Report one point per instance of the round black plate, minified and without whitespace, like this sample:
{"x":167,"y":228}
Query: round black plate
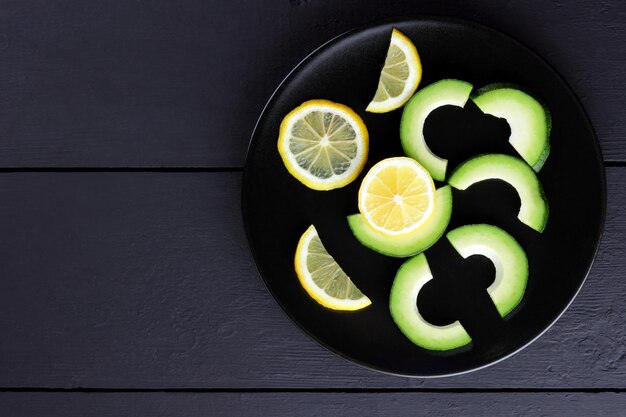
{"x":277,"y":209}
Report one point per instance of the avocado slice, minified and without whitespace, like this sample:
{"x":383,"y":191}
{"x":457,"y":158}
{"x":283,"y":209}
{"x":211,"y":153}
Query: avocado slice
{"x":410,"y":279}
{"x":534,"y":208}
{"x":529,"y":120}
{"x":507,"y":256}
{"x":412,"y":243}
{"x":441,"y":93}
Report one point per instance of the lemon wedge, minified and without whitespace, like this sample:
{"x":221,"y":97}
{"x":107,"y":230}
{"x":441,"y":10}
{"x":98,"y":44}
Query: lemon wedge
{"x":399,"y":77}
{"x":322,"y":278}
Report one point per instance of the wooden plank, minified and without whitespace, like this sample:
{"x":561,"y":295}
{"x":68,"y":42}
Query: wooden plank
{"x":312,"y":404}
{"x":144,"y":280}
{"x":181,"y":83}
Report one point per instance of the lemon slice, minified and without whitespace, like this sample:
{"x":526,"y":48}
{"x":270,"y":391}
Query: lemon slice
{"x":399,"y":77}
{"x":322,"y":278}
{"x":323,"y":144}
{"x":397,"y":196}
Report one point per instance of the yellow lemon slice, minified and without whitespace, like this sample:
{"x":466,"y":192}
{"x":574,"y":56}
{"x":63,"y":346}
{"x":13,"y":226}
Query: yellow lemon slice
{"x":322,"y":278}
{"x":323,"y":144}
{"x":399,"y":77}
{"x":397,"y":196}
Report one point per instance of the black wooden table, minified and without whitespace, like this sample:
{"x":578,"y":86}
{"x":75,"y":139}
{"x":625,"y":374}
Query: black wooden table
{"x":126,"y":283}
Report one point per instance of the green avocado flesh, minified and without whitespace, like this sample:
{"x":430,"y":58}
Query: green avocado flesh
{"x":534,"y":207}
{"x":413,"y":243}
{"x":441,"y":93}
{"x":410,"y":279}
{"x":507,"y":256}
{"x":528,"y":119}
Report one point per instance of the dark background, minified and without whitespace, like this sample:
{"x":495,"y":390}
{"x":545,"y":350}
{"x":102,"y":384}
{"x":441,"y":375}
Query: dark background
{"x":127,"y":287}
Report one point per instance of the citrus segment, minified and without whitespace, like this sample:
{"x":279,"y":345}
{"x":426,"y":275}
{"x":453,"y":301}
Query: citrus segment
{"x":399,"y":77}
{"x":322,"y":278}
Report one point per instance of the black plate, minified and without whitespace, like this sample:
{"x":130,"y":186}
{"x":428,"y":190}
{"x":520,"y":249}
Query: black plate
{"x":277,"y":208}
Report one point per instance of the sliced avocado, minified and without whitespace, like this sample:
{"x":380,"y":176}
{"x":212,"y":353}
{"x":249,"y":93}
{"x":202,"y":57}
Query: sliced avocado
{"x":441,"y":93}
{"x":412,"y":243}
{"x":534,"y":207}
{"x":508,"y":257}
{"x":529,"y":121}
{"x":410,"y":279}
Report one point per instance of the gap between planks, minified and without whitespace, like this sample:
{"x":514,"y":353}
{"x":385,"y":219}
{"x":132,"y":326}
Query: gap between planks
{"x":607,"y":164}
{"x":124,"y":169}
{"x":320,"y":390}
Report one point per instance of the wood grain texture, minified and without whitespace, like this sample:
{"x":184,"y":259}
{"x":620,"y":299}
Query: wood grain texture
{"x":144,"y":280}
{"x":181,"y":82}
{"x":312,"y":404}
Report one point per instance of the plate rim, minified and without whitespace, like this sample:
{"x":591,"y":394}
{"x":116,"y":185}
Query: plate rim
{"x":408,"y":20}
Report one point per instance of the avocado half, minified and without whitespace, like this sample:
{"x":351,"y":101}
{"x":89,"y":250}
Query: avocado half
{"x":410,"y":279}
{"x":412,"y":243}
{"x":441,"y":93}
{"x":534,"y":208}
{"x":507,"y":256}
{"x":529,"y":120}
